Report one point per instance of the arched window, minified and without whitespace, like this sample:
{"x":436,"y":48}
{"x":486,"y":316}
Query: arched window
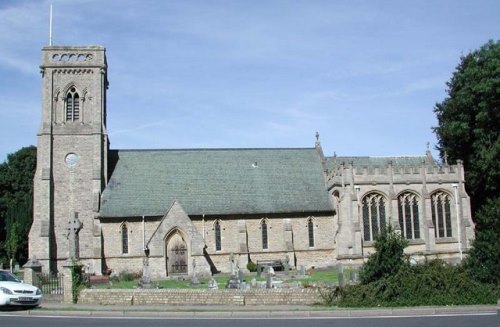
{"x":373,"y":215}
{"x":218,"y":238}
{"x":72,"y":105}
{"x":124,"y":232}
{"x":310,"y":231}
{"x":441,"y":214}
{"x":408,"y":215}
{"x":263,"y":227}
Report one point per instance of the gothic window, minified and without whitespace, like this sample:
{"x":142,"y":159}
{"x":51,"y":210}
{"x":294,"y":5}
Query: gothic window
{"x":218,"y":238}
{"x":124,"y":232}
{"x":263,"y":226}
{"x":441,"y":214}
{"x":310,"y":231}
{"x":373,"y":206}
{"x":408,"y":215}
{"x":72,"y":105}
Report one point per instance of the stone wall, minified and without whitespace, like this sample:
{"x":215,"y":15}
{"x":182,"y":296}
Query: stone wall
{"x":200,"y":297}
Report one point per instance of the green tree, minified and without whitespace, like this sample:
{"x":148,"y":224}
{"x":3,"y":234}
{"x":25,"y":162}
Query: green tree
{"x":484,"y":258}
{"x":388,"y":257}
{"x":469,"y":121}
{"x":16,"y":209}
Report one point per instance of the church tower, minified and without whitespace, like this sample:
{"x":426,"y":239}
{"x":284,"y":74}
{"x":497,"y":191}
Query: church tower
{"x":71,"y":158}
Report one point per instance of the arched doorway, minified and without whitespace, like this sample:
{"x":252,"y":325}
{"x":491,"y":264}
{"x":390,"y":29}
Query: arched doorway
{"x":176,"y":254}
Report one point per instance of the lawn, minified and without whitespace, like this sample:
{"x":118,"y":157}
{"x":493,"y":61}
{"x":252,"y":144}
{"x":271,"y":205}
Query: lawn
{"x":312,"y":278}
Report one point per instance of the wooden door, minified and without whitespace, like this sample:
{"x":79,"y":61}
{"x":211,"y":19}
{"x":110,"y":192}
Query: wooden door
{"x":176,"y":255}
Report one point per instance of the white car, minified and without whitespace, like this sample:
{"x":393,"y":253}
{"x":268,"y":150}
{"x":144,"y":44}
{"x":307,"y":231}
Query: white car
{"x":14,"y":292}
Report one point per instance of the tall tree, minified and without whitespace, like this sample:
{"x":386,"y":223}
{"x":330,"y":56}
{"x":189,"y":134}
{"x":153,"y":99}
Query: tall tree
{"x":469,"y":121}
{"x":16,"y":193}
{"x":469,"y":129}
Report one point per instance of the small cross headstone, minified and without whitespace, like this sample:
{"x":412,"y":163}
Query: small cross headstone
{"x":302,"y":270}
{"x":212,"y":284}
{"x":286,"y":265}
{"x":269,"y":280}
{"x":231,"y":262}
{"x":340,"y":267}
{"x":240,"y":275}
{"x":194,"y":279}
{"x":74,"y":227}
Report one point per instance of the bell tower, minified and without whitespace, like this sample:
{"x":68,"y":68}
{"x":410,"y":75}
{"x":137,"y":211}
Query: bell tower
{"x":71,"y":158}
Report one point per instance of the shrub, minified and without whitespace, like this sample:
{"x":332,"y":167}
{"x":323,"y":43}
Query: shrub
{"x":483,"y":261}
{"x":387,"y":259}
{"x":251,"y":266}
{"x":431,"y":283}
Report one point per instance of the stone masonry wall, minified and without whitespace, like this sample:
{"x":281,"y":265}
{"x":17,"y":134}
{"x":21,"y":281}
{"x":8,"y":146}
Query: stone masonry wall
{"x":201,"y":297}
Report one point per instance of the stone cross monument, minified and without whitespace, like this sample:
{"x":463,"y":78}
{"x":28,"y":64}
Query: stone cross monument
{"x":74,"y":226}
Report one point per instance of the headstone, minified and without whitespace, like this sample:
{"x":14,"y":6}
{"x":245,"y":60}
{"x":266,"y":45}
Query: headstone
{"x":194,"y":279}
{"x":352,"y":276}
{"x":212,"y":284}
{"x":231,"y":262}
{"x":146,"y":279}
{"x":286,"y":265}
{"x":240,"y":275}
{"x":253,"y":282}
{"x":16,"y":267}
{"x":269,"y":281}
{"x":302,"y":271}
{"x":233,"y":282}
{"x":340,"y":268}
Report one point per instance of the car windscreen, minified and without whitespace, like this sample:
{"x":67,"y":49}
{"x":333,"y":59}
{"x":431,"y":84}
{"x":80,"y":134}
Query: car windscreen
{"x":6,"y":276}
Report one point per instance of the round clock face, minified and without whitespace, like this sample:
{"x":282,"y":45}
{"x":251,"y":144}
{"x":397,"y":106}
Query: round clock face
{"x":71,"y":159}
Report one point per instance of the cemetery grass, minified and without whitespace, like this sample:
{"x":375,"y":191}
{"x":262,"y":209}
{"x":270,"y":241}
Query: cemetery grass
{"x":316,"y":277}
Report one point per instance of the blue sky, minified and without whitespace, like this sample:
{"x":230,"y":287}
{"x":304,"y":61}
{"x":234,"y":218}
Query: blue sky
{"x":260,"y":73}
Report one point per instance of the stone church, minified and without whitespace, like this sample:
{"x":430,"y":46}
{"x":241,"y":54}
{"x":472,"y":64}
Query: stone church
{"x":206,"y":210}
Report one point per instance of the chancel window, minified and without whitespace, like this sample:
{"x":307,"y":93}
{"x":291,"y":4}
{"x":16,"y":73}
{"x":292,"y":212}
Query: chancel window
{"x":72,"y":105}
{"x":373,"y":207}
{"x":408,"y":215}
{"x":263,"y":227}
{"x":441,"y":214}
{"x":124,"y":232}
{"x":218,"y":237}
{"x":310,"y":230}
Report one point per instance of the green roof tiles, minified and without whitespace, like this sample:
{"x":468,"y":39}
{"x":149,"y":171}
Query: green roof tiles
{"x":215,"y":181}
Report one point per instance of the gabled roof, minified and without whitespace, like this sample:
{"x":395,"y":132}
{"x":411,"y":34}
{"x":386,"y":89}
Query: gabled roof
{"x":215,"y":181}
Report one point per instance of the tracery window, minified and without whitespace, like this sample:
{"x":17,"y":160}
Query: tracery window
{"x":373,"y":207}
{"x":124,"y":231}
{"x":218,"y":237}
{"x":441,"y":214}
{"x":310,"y":230}
{"x":408,"y":215}
{"x":72,"y":105}
{"x":263,"y":227}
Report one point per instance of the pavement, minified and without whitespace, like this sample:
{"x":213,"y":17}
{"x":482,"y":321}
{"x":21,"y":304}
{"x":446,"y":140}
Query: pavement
{"x":209,"y":311}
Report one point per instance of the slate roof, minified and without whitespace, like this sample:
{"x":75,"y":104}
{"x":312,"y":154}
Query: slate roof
{"x":215,"y":181}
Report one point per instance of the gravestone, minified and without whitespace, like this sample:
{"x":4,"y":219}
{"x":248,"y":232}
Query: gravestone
{"x":269,"y":280}
{"x":286,"y":265}
{"x":340,"y":268}
{"x":352,"y":276}
{"x":233,"y":282}
{"x":146,"y":279}
{"x":302,"y":271}
{"x":194,"y":279}
{"x":240,"y":275}
{"x":212,"y":284}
